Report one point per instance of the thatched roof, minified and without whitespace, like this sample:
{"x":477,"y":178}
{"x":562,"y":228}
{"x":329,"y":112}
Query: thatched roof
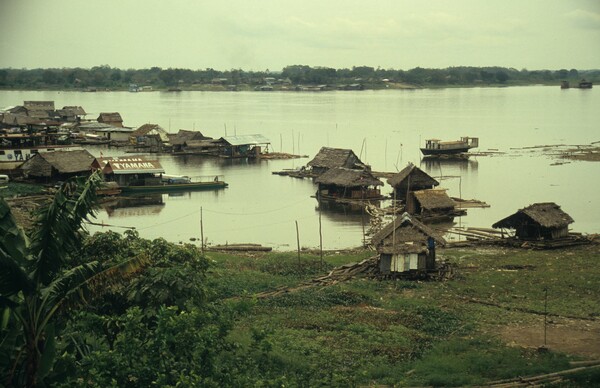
{"x":418,"y":177}
{"x":433,"y":199}
{"x":110,"y":117}
{"x":147,"y":129}
{"x":184,"y":136}
{"x":546,"y":214}
{"x":334,"y":157}
{"x":63,"y":162}
{"x":72,"y":111}
{"x":346,"y":177}
{"x":408,"y":231}
{"x":38,"y":105}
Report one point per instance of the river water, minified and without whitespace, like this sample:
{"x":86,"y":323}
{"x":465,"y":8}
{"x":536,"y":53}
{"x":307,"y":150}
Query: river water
{"x":384,"y":127}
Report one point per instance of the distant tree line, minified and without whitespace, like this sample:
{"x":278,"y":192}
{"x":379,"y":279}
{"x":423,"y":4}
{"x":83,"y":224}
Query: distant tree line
{"x":107,"y":77}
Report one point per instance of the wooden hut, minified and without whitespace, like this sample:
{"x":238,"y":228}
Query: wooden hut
{"x":406,"y":245}
{"x":538,"y":221}
{"x":411,"y":178}
{"x":111,"y":118}
{"x":432,"y":205}
{"x":242,"y":146}
{"x":348,"y":184}
{"x":58,"y":165}
{"x":182,"y":139}
{"x":152,"y":136}
{"x":329,"y":158}
{"x":71,"y":114}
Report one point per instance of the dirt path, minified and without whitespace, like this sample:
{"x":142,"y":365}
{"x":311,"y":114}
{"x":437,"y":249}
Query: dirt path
{"x":568,"y":336}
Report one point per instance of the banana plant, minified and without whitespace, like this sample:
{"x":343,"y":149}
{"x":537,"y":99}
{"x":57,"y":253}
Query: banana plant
{"x":42,"y":275}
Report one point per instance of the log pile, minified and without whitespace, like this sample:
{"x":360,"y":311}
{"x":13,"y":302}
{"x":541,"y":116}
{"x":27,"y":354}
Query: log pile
{"x":544,"y":380}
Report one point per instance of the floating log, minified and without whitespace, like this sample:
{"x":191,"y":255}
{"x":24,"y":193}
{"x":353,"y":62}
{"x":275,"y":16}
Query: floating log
{"x":240,"y":248}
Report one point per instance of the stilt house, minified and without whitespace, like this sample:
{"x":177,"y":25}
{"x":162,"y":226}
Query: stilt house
{"x":243,"y":146}
{"x":344,"y":183}
{"x":152,"y":136}
{"x":329,"y":158}
{"x":411,"y":178}
{"x":111,"y":118}
{"x":432,"y":205}
{"x":406,"y":245}
{"x":540,"y":221}
{"x":185,"y":139}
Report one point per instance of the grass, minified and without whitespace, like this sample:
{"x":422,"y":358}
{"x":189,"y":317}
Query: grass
{"x":18,"y":189}
{"x":405,"y":333}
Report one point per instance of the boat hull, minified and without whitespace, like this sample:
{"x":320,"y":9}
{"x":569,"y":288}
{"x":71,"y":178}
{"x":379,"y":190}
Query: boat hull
{"x":175,"y":187}
{"x":453,"y":151}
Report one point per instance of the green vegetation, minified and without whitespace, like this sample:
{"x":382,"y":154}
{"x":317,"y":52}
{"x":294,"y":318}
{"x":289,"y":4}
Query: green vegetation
{"x":106,"y":77}
{"x":17,"y":189}
{"x":184,"y":319}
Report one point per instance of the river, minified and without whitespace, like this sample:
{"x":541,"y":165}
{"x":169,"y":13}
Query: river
{"x":384,"y":127}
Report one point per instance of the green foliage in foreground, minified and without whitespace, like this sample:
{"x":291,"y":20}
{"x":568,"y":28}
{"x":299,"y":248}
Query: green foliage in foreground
{"x":15,"y":189}
{"x":193,"y":320}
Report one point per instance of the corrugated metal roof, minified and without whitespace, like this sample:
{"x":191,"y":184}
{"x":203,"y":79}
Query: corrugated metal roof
{"x":254,"y":139}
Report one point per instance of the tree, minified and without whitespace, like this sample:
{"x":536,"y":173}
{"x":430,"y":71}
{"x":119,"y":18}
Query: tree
{"x":41,"y":276}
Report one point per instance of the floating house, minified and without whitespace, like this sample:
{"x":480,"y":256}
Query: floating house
{"x":406,"y":246}
{"x":113,"y":119}
{"x":243,"y":146}
{"x":106,"y":131}
{"x":329,"y":158}
{"x":540,"y":221}
{"x":39,"y":109}
{"x":152,"y":136}
{"x":130,"y":170}
{"x":432,"y":205}
{"x":189,"y":141}
{"x":71,"y":114}
{"x":343,"y":184}
{"x":411,"y":178}
{"x":58,"y":165}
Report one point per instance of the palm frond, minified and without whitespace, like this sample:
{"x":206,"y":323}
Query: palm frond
{"x":13,"y":277}
{"x":89,"y":280}
{"x":12,"y":238}
{"x":59,"y":226}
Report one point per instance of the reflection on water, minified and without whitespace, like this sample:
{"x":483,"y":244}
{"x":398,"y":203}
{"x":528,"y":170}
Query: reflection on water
{"x":384,"y":128}
{"x":134,"y":205}
{"x":449,"y":166}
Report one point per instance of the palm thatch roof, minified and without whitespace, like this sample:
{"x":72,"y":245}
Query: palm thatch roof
{"x":418,"y":177}
{"x":184,"y":136}
{"x":63,"y":162}
{"x":110,"y":117}
{"x":335,"y":157}
{"x":546,"y":214}
{"x":408,"y":231}
{"x":346,"y":177}
{"x":434,"y":199}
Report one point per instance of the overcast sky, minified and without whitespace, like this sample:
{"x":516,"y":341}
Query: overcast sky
{"x":270,"y":34}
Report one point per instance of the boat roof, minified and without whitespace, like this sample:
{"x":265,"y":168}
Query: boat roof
{"x":246,"y":139}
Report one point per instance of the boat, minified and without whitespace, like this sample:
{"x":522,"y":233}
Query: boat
{"x":583,"y":84}
{"x":168,"y":183}
{"x":436,"y":147}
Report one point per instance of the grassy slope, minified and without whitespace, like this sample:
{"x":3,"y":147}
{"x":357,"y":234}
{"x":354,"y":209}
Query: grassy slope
{"x":409,"y":333}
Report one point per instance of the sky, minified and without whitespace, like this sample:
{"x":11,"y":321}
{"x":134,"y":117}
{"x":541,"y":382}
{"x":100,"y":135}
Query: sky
{"x":272,"y":34}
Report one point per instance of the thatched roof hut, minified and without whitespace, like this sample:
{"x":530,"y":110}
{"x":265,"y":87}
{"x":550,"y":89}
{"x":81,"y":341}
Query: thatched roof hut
{"x":345,"y":183}
{"x":112,"y":118}
{"x":431,"y":205}
{"x":406,"y":245}
{"x":411,"y":178}
{"x":58,"y":164}
{"x":538,"y":221}
{"x":346,"y":177}
{"x":402,"y":231}
{"x":329,"y":158}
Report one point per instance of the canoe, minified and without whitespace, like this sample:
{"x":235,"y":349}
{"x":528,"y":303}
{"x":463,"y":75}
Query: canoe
{"x":167,"y":187}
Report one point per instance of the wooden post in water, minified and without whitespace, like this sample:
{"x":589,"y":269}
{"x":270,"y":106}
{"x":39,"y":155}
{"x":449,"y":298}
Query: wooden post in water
{"x":298,"y":240}
{"x":320,"y":227}
{"x":201,"y":232}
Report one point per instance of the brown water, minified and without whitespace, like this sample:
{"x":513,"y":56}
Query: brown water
{"x":385,"y":128}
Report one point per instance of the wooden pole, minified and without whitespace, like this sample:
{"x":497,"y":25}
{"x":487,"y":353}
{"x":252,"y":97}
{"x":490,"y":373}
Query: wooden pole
{"x":320,"y":228}
{"x":545,"y":313}
{"x":298,"y":240}
{"x":201,"y":232}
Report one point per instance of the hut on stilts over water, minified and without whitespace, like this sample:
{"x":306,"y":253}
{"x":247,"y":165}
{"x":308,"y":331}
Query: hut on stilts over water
{"x":344,"y":184}
{"x":411,"y":178}
{"x":329,"y":158}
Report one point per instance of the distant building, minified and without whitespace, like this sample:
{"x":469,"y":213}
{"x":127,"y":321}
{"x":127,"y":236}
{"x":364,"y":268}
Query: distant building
{"x":242,"y":146}
{"x":112,"y":118}
{"x":152,"y":136}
